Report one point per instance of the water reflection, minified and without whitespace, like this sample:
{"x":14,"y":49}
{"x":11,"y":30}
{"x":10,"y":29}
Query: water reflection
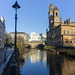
{"x":54,"y":64}
{"x":42,"y":63}
{"x":68,"y":67}
{"x":39,"y":56}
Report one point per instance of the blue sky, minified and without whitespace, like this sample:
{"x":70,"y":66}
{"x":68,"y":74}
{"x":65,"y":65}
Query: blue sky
{"x":33,"y":14}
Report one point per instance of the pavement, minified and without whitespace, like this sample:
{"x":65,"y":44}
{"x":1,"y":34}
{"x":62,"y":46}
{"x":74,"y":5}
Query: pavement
{"x":5,"y":55}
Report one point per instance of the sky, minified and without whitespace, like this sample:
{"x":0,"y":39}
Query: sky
{"x":33,"y":14}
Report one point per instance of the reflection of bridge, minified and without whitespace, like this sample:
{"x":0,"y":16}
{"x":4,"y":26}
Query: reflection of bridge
{"x":34,"y":44}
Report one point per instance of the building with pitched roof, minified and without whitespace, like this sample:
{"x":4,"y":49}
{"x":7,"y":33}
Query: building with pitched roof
{"x":22,"y":34}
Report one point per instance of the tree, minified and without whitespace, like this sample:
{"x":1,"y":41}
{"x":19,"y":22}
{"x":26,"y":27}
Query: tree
{"x":7,"y":38}
{"x":20,"y":45}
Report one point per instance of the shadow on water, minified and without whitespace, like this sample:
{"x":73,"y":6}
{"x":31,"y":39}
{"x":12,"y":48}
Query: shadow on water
{"x":40,"y":46}
{"x":38,"y":62}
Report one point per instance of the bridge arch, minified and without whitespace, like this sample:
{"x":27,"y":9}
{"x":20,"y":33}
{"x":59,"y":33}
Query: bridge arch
{"x":34,"y":44}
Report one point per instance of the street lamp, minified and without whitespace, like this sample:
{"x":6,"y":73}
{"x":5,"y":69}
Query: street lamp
{"x":15,"y":6}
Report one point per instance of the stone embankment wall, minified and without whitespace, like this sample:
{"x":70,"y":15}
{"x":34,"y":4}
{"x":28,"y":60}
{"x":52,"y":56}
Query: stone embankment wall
{"x":12,"y":67}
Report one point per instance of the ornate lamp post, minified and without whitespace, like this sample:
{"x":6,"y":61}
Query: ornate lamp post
{"x":16,"y":6}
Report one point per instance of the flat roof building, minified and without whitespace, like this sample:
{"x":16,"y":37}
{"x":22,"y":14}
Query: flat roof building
{"x":37,"y":37}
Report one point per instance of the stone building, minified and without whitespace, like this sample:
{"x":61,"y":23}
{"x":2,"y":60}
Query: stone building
{"x":22,"y":34}
{"x":60,"y":33}
{"x":2,"y":32}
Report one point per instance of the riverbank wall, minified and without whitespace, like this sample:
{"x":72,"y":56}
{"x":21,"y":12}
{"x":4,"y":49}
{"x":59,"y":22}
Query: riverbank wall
{"x":11,"y":66}
{"x":67,"y":51}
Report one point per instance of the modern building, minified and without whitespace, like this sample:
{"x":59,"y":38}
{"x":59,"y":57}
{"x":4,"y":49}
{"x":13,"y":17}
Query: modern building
{"x":22,"y":34}
{"x":37,"y":37}
{"x":60,"y":33}
{"x":2,"y":32}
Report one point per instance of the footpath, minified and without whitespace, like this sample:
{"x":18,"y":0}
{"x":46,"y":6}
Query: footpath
{"x":5,"y":55}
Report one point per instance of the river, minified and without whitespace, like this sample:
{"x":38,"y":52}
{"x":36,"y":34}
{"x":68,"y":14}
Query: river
{"x":39,"y":62}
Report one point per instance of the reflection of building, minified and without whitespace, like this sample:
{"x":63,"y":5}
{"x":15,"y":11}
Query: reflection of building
{"x":60,"y":33}
{"x":37,"y":37}
{"x":68,"y":67}
{"x":2,"y":32}
{"x":22,"y":34}
{"x":39,"y":56}
{"x":54,"y":64}
{"x":59,"y":65}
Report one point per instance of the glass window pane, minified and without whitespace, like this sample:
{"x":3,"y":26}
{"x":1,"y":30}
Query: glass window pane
{"x":64,"y":31}
{"x":71,"y":32}
{"x":67,"y":31}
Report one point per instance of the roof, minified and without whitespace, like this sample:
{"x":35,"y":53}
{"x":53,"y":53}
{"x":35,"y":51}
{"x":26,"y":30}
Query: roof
{"x":56,"y":8}
{"x":17,"y":33}
{"x":51,"y":4}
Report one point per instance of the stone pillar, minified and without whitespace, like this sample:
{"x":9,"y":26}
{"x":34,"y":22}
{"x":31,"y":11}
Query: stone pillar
{"x":61,"y":20}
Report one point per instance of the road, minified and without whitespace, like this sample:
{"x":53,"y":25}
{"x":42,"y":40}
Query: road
{"x":4,"y":53}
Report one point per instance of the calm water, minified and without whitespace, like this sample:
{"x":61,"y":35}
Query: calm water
{"x":42,"y":63}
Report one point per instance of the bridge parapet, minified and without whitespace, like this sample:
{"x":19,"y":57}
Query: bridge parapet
{"x":33,"y":44}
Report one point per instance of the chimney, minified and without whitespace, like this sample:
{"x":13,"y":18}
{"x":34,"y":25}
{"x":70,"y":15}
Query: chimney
{"x":69,"y":20}
{"x":61,"y":20}
{"x":64,"y":22}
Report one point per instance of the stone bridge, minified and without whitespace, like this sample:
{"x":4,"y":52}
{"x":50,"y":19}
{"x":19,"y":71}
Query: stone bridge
{"x":34,"y":44}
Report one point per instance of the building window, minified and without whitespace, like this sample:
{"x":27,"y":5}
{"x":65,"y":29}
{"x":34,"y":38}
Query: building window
{"x":51,"y":14}
{"x":70,"y":41}
{"x":67,"y":31}
{"x":64,"y":31}
{"x":66,"y":41}
{"x":56,"y":14}
{"x":51,"y":8}
{"x":72,"y":32}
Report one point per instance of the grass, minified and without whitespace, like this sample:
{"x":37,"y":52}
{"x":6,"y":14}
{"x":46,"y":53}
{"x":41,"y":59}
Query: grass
{"x":66,"y":51}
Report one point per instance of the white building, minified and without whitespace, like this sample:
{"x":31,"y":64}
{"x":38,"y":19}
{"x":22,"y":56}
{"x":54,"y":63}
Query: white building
{"x":2,"y":32}
{"x":37,"y":37}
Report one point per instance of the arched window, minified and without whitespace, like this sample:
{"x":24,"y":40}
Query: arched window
{"x":66,"y":41}
{"x":51,"y":14}
{"x":51,"y":8}
{"x":56,"y":14}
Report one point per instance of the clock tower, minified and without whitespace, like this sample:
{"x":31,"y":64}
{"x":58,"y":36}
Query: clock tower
{"x":51,"y":20}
